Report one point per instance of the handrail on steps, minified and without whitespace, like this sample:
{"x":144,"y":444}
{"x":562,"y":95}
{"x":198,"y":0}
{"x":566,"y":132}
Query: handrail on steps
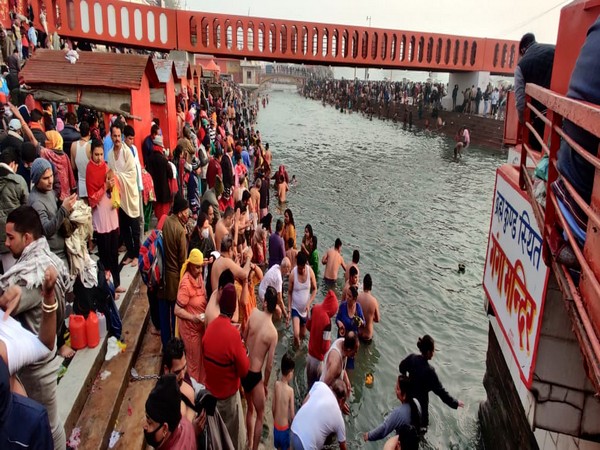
{"x":583,"y":295}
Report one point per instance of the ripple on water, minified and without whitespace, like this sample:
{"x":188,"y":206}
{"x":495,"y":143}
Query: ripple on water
{"x":414,"y":214}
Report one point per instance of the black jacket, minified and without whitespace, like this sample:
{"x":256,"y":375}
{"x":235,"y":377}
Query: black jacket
{"x":424,"y":379}
{"x":69,"y":134}
{"x":159,"y":169}
{"x":227,"y":168}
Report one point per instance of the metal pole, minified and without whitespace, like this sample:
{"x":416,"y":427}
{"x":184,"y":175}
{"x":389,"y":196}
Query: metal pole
{"x":366,"y":68}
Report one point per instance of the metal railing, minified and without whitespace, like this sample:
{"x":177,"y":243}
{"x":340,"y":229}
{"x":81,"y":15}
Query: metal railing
{"x":582,"y":295}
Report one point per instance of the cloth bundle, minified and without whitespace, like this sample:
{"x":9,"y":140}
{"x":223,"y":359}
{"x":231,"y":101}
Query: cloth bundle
{"x":82,"y":265}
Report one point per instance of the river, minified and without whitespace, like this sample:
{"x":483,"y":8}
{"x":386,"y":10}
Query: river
{"x":414,"y":214}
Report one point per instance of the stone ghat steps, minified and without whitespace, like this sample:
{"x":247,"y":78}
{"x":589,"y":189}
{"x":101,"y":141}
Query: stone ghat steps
{"x":77,"y":383}
{"x":100,"y":410}
{"x":486,"y":132}
{"x":132,"y":412}
{"x":95,"y":396}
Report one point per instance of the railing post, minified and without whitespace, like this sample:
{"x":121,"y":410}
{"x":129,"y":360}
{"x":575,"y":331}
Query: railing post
{"x":521,"y":140}
{"x":592,"y":256}
{"x":550,"y":213}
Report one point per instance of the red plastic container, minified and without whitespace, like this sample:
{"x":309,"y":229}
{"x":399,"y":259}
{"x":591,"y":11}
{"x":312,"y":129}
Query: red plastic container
{"x":77,"y":328}
{"x":92,"y":330}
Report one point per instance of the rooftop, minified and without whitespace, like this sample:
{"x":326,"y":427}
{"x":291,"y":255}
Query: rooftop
{"x":111,"y":70}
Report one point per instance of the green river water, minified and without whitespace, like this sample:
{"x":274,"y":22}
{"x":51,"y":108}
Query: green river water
{"x":414,"y":214}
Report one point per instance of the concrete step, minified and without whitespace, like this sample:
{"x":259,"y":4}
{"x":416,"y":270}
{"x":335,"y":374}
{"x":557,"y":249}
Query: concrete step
{"x":75,"y":385}
{"x":98,"y":415}
{"x":132,"y":412}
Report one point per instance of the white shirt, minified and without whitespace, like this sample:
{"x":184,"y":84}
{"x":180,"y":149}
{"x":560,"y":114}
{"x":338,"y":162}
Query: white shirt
{"x":495,"y":97}
{"x":272,"y":278}
{"x":22,"y":346}
{"x":138,"y":167}
{"x":318,"y":418}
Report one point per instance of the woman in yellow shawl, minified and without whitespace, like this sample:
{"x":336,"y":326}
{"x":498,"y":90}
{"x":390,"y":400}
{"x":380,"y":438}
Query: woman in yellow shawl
{"x":190,"y":307}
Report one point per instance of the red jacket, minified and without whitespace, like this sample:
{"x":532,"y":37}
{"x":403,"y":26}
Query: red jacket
{"x":213,"y":169}
{"x":318,"y":323}
{"x":225,"y":358}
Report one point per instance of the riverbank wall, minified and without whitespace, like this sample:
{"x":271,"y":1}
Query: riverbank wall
{"x":485,"y":132}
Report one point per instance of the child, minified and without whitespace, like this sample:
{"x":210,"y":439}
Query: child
{"x":458,"y":150}
{"x":292,"y":253}
{"x":283,"y":404}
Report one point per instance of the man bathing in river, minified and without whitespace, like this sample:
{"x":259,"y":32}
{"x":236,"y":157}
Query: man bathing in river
{"x":351,"y":281}
{"x":370,"y":308}
{"x":354,"y":263}
{"x":261,"y":339}
{"x":332,"y":260}
{"x":334,"y":365}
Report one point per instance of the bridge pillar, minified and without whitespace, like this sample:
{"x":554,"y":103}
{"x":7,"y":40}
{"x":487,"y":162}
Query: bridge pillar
{"x":465,"y":80}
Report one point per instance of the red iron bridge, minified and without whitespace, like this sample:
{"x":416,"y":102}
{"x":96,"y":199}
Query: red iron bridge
{"x":255,"y":38}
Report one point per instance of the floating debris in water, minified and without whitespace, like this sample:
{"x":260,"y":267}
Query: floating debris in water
{"x":461,"y":268}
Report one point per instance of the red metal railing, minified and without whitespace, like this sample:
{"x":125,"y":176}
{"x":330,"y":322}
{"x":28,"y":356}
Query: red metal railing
{"x":583,"y":298}
{"x":134,"y":25}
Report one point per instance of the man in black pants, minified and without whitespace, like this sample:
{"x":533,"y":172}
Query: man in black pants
{"x":121,"y":161}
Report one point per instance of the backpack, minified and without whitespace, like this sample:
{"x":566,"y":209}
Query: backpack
{"x":151,"y":262}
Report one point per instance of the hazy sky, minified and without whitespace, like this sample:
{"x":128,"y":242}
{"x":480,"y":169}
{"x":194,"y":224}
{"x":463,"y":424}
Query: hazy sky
{"x":507,"y":19}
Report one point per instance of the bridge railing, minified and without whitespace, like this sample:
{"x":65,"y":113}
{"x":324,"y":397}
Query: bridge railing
{"x":318,"y":42}
{"x":134,"y":25}
{"x":111,"y":22}
{"x":581,"y":290}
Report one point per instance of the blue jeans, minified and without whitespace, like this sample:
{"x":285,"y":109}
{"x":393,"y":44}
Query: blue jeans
{"x":166,"y":312}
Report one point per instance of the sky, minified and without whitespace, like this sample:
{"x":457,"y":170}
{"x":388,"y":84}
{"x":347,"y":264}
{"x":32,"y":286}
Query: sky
{"x":505,"y":19}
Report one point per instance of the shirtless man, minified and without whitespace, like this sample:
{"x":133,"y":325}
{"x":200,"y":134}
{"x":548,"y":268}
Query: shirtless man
{"x":370,"y":308}
{"x":332,"y":260}
{"x":255,"y":202}
{"x":354,"y":263}
{"x":352,"y":281}
{"x":301,"y":294}
{"x":291,"y":253}
{"x":227,"y":261}
{"x":212,"y":308}
{"x":174,"y":361}
{"x":334,"y":365}
{"x":223,"y":227}
{"x":282,"y":188}
{"x":261,"y":339}
{"x":268,"y":155}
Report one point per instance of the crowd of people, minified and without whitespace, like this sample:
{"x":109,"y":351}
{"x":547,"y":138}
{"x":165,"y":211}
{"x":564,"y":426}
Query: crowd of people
{"x":74,"y":195}
{"x":376,"y":97}
{"x":224,"y":287}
